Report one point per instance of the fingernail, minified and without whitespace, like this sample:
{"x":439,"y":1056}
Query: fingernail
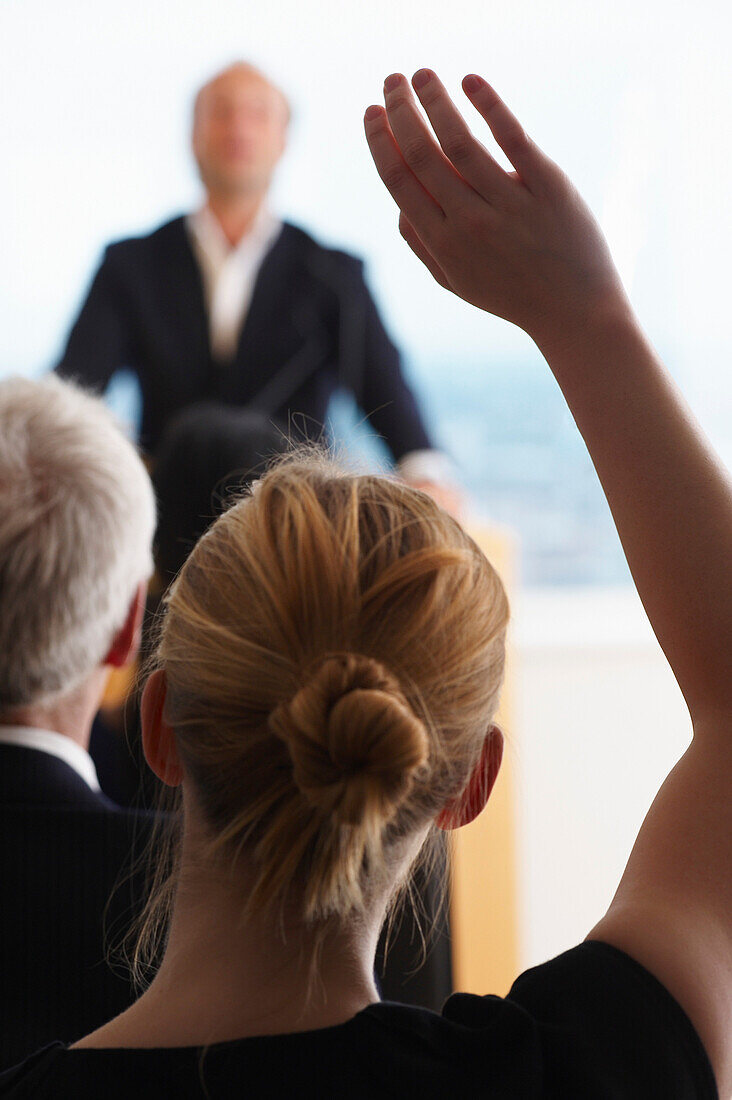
{"x":372,"y":113}
{"x":392,"y":82}
{"x":421,"y":77}
{"x":472,"y":83}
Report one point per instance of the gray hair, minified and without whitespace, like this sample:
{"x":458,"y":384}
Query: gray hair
{"x":77,"y":519}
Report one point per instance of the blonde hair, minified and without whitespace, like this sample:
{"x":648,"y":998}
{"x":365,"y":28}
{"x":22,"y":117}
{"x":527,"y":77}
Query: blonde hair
{"x":333,"y":650}
{"x":77,"y":517}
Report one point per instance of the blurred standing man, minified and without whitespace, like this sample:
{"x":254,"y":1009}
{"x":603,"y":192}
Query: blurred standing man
{"x":232,"y":304}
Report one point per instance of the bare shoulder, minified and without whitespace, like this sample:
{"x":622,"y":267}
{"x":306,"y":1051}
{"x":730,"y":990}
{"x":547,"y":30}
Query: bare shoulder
{"x":124,"y":1030}
{"x":672,"y":911}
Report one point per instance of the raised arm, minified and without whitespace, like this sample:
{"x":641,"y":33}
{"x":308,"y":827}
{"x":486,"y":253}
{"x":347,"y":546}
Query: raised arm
{"x":524,"y":246}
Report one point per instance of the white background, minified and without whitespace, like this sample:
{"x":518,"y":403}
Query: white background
{"x":599,"y":722}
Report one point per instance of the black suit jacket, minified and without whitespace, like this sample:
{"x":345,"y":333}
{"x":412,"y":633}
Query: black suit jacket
{"x":312,"y":327}
{"x":62,"y":848}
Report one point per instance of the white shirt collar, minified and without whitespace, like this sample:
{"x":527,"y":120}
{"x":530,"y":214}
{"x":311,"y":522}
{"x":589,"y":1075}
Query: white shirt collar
{"x":210,"y":238}
{"x":57,"y":744}
{"x":229,"y":273}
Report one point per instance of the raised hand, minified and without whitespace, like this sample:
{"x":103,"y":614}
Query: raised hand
{"x":522,"y":245}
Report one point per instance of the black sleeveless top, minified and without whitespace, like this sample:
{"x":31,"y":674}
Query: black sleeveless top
{"x":591,"y":1024}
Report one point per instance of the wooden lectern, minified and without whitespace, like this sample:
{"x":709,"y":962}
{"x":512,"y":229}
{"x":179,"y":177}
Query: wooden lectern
{"x":483,"y":901}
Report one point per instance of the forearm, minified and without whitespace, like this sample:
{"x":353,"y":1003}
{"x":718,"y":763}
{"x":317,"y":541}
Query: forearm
{"x":100,"y":340}
{"x":524,"y":246}
{"x":670,"y":497}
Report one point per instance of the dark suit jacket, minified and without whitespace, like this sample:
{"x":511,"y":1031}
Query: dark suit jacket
{"x":312,"y":327}
{"x":62,"y":847}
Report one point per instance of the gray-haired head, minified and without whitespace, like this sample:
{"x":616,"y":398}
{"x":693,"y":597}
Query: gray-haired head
{"x":77,"y":518}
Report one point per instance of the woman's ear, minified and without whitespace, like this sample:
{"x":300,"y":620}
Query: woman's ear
{"x":473,"y":798}
{"x":158,"y":739}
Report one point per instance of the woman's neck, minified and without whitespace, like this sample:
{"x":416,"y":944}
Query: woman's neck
{"x":222,"y":980}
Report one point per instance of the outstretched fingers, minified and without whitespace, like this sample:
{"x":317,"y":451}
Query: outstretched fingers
{"x":418,"y":147}
{"x":532,"y":166}
{"x":413,"y":200}
{"x":469,"y":157}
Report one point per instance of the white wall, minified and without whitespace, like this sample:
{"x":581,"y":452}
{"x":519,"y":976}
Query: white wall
{"x":599,"y":724}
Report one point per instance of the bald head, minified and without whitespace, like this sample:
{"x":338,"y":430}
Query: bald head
{"x":239,"y":131}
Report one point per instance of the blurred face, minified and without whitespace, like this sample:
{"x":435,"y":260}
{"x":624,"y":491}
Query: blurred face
{"x":239,"y":128}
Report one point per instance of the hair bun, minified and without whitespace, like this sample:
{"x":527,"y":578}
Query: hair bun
{"x":354,"y":741}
